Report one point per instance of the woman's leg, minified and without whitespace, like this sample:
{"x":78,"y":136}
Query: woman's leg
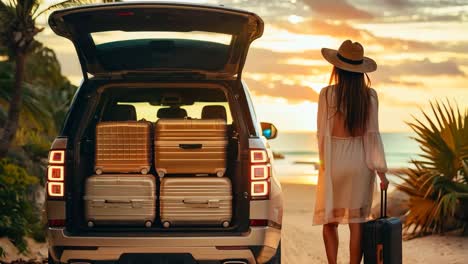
{"x":355,"y":247}
{"x":330,"y":237}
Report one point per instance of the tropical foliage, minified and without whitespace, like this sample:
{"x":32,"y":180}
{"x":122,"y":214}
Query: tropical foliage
{"x":18,"y":31}
{"x":16,"y":212}
{"x":34,"y":98}
{"x":438,"y":183}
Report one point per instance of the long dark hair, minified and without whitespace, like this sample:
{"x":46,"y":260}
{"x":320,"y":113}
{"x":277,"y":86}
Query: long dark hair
{"x":352,"y":98}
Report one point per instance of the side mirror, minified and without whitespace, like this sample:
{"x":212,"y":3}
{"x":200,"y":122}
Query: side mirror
{"x":269,"y":130}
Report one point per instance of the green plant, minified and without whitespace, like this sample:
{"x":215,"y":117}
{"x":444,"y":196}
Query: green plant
{"x":18,"y":32}
{"x":16,"y":211}
{"x":438,"y":183}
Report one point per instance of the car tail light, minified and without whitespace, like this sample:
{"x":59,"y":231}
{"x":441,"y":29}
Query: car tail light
{"x":56,"y":222}
{"x":56,"y":156}
{"x":55,"y":189}
{"x":56,"y":174}
{"x":258,"y":222}
{"x":258,"y":156}
{"x":260,"y":172}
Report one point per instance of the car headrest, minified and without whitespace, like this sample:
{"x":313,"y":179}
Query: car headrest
{"x":121,"y":113}
{"x":172,"y":112}
{"x":214,"y":112}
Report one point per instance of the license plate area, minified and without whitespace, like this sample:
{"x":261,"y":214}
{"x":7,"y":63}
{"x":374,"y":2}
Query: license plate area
{"x":159,"y":258}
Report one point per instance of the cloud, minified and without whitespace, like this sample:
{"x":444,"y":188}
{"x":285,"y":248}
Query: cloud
{"x":321,"y":27}
{"x":423,"y":68}
{"x":394,"y":74}
{"x":293,"y":93}
{"x":345,"y":30}
{"x":268,"y":61}
{"x":337,"y":9}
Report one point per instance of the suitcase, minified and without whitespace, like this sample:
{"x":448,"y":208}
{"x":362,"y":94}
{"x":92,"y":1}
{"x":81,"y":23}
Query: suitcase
{"x":120,"y":199}
{"x":382,"y":238}
{"x":123,"y":147}
{"x":193,"y":201}
{"x":190,"y":146}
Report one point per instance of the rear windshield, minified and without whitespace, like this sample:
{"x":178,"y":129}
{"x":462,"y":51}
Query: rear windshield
{"x":118,"y":35}
{"x":174,"y":103}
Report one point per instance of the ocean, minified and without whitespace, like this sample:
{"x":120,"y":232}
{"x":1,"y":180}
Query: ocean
{"x":300,"y":151}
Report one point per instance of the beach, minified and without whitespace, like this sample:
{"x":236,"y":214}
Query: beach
{"x":302,"y":242}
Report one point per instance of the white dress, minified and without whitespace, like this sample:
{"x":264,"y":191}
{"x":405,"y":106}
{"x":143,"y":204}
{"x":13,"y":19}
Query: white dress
{"x":346,"y":182}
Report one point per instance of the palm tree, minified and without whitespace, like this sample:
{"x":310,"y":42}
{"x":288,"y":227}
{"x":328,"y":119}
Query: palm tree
{"x":18,"y":31}
{"x":438,"y":183}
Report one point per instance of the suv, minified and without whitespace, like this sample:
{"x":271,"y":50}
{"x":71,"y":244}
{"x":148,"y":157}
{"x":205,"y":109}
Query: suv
{"x":166,"y":55}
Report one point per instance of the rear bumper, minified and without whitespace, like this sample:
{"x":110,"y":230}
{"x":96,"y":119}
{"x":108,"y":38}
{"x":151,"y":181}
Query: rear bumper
{"x":209,"y":248}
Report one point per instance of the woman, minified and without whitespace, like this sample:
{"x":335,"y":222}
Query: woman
{"x":350,"y":148}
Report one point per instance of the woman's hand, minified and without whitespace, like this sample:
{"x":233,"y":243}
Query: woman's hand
{"x":383,"y":180}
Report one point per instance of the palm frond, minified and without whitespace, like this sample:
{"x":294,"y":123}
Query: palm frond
{"x":434,"y":185}
{"x":72,"y":3}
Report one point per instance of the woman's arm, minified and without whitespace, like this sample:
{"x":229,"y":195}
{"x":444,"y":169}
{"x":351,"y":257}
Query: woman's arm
{"x":321,"y":124}
{"x":375,"y":154}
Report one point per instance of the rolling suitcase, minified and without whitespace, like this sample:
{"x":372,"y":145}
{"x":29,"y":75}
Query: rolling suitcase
{"x":382,"y":237}
{"x":120,"y":199}
{"x":123,"y":147}
{"x":190,"y":201}
{"x":190,"y":146}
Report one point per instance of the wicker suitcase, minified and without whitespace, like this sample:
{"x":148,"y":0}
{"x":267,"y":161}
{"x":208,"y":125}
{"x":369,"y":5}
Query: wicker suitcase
{"x":123,"y":147}
{"x":190,"y":146}
{"x":193,"y":201}
{"x":120,"y":199}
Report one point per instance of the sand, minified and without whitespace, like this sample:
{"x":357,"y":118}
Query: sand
{"x":302,"y":242}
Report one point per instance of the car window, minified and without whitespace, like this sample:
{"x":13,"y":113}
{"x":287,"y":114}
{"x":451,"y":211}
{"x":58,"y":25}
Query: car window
{"x":146,"y":111}
{"x":117,"y":35}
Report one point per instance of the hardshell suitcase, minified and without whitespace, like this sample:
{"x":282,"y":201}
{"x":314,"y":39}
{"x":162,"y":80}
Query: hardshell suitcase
{"x":123,"y":147}
{"x":120,"y":199}
{"x":190,"y":146}
{"x":382,"y":238}
{"x":192,"y":201}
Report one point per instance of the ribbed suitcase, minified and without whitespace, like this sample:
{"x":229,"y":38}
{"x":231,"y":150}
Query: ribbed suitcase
{"x":382,"y":238}
{"x":123,"y":147}
{"x":190,"y":146}
{"x":193,"y":201}
{"x":120,"y":199}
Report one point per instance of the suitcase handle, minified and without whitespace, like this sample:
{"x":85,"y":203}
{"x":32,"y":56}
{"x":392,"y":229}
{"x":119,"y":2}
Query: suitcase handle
{"x":204,"y":203}
{"x":383,"y":203}
{"x":190,"y":146}
{"x":136,"y":203}
{"x":117,"y":201}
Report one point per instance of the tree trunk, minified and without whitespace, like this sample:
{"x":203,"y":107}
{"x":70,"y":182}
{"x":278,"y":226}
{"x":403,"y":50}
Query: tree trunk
{"x":11,"y":124}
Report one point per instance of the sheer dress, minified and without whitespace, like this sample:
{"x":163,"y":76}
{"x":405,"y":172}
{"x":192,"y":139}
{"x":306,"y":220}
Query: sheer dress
{"x":348,"y":165}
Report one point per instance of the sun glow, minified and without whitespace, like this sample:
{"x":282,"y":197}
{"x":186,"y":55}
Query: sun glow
{"x":281,"y":40}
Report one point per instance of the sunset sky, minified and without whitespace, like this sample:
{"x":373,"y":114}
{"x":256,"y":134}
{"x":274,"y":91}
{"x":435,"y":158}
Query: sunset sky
{"x":421,"y":48}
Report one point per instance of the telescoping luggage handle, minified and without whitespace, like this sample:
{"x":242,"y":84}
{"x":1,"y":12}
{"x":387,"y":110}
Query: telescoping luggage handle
{"x":383,"y":203}
{"x":190,"y":146}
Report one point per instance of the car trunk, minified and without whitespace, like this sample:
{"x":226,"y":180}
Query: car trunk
{"x":84,"y":150}
{"x":119,"y":38}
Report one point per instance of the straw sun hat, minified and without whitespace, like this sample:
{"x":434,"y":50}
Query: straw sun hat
{"x":350,"y":57}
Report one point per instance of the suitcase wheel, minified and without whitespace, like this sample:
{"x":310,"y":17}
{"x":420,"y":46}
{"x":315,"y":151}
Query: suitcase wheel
{"x":166,"y":224}
{"x":226,"y":224}
{"x":98,"y":171}
{"x":144,"y":171}
{"x":90,"y":224}
{"x":148,"y":224}
{"x":161,"y":173}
